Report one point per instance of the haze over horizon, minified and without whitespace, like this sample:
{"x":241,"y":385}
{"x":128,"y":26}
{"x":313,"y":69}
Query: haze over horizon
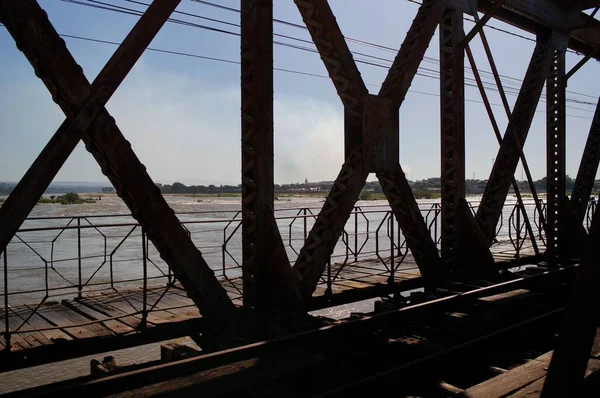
{"x":182,"y":113}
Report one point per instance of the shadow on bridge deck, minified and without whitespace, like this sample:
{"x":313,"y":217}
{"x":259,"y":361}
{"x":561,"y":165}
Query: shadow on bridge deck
{"x":111,"y":319}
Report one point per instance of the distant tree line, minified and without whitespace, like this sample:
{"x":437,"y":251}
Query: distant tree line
{"x":429,"y":184}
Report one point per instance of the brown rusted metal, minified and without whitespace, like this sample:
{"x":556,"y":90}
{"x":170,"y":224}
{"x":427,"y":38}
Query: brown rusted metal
{"x":518,"y":126}
{"x":41,"y":173}
{"x":584,"y":182}
{"x":53,"y":63}
{"x":410,"y":55}
{"x":380,"y":134}
{"x":473,"y":258}
{"x":336,"y":56}
{"x":503,"y":97}
{"x":452,"y":123}
{"x":481,"y":22}
{"x":498,"y":134}
{"x":580,"y":64}
{"x":556,"y":250}
{"x":338,"y":60}
{"x":405,"y":208}
{"x":377,"y":129}
{"x":260,"y":236}
{"x":572,"y":353}
{"x":330,"y":222}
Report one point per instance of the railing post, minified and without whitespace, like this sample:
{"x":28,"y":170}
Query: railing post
{"x":355,"y":234}
{"x":436,"y":215}
{"x":518,"y":255}
{"x":329,"y":291}
{"x":305,"y":226}
{"x":79,"y":287}
{"x":223,"y":249}
{"x":392,"y":250}
{"x":7,"y":331}
{"x":145,"y":282}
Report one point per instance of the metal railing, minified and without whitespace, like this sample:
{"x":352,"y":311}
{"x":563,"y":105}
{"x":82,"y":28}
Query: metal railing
{"x":54,"y":257}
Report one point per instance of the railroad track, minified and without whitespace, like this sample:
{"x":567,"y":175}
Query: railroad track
{"x":434,"y":344}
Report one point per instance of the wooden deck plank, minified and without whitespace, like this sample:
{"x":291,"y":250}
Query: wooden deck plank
{"x":132,"y":305}
{"x":99,"y":306}
{"x":164,"y":314}
{"x":513,"y":380}
{"x":26,"y":334}
{"x":115,"y":326}
{"x":54,"y":335}
{"x":535,"y":389}
{"x":66,"y":319}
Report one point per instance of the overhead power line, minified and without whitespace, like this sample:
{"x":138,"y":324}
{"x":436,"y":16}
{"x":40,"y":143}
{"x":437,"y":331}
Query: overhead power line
{"x":235,"y":62}
{"x":424,"y":72}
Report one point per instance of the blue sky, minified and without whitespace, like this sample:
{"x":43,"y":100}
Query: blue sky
{"x":182,"y":118}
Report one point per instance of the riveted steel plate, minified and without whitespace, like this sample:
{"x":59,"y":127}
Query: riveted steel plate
{"x":380,"y":134}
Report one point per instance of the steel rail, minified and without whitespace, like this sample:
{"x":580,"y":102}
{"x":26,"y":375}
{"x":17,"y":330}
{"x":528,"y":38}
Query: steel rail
{"x":324,"y":335}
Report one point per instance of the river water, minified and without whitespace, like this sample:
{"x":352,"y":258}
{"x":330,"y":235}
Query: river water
{"x":63,"y":247}
{"x":43,"y":258}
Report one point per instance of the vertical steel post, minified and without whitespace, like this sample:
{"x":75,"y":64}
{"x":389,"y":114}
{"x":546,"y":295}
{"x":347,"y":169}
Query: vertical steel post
{"x":518,"y":207}
{"x":452,"y":129}
{"x":555,"y":157}
{"x":7,"y":324}
{"x":257,"y":149}
{"x":355,"y":234}
{"x":79,"y":287}
{"x":329,"y":291}
{"x":392,"y":249}
{"x":145,"y":281}
{"x":305,"y":226}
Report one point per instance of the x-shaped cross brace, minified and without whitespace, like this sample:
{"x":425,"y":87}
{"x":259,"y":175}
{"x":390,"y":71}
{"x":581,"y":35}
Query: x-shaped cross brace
{"x":87,"y":119}
{"x":371,"y":140}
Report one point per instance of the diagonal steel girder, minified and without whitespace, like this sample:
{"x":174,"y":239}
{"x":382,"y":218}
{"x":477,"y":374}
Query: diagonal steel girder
{"x":31,"y":187}
{"x":332,"y":47}
{"x":584,"y":182}
{"x":398,"y":80}
{"x":336,"y":56}
{"x":507,"y":159}
{"x":53,"y":63}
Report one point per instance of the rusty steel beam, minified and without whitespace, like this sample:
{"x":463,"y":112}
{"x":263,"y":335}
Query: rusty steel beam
{"x":452,"y":123}
{"x":573,"y":349}
{"x":336,"y":56}
{"x":507,"y":159}
{"x":530,"y":181}
{"x":41,"y":173}
{"x":338,"y":60}
{"x":584,"y":36}
{"x":498,"y":134}
{"x":53,"y":63}
{"x":489,"y":14}
{"x":329,"y":224}
{"x":584,"y":182}
{"x":400,"y":76}
{"x":406,"y":210}
{"x":581,"y":63}
{"x":258,"y":240}
{"x":556,"y":249}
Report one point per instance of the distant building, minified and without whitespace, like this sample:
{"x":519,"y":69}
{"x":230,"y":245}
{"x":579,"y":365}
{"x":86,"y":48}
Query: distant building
{"x":306,"y":180}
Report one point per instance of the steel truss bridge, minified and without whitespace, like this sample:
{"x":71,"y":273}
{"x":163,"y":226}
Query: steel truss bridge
{"x":263,"y":340}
